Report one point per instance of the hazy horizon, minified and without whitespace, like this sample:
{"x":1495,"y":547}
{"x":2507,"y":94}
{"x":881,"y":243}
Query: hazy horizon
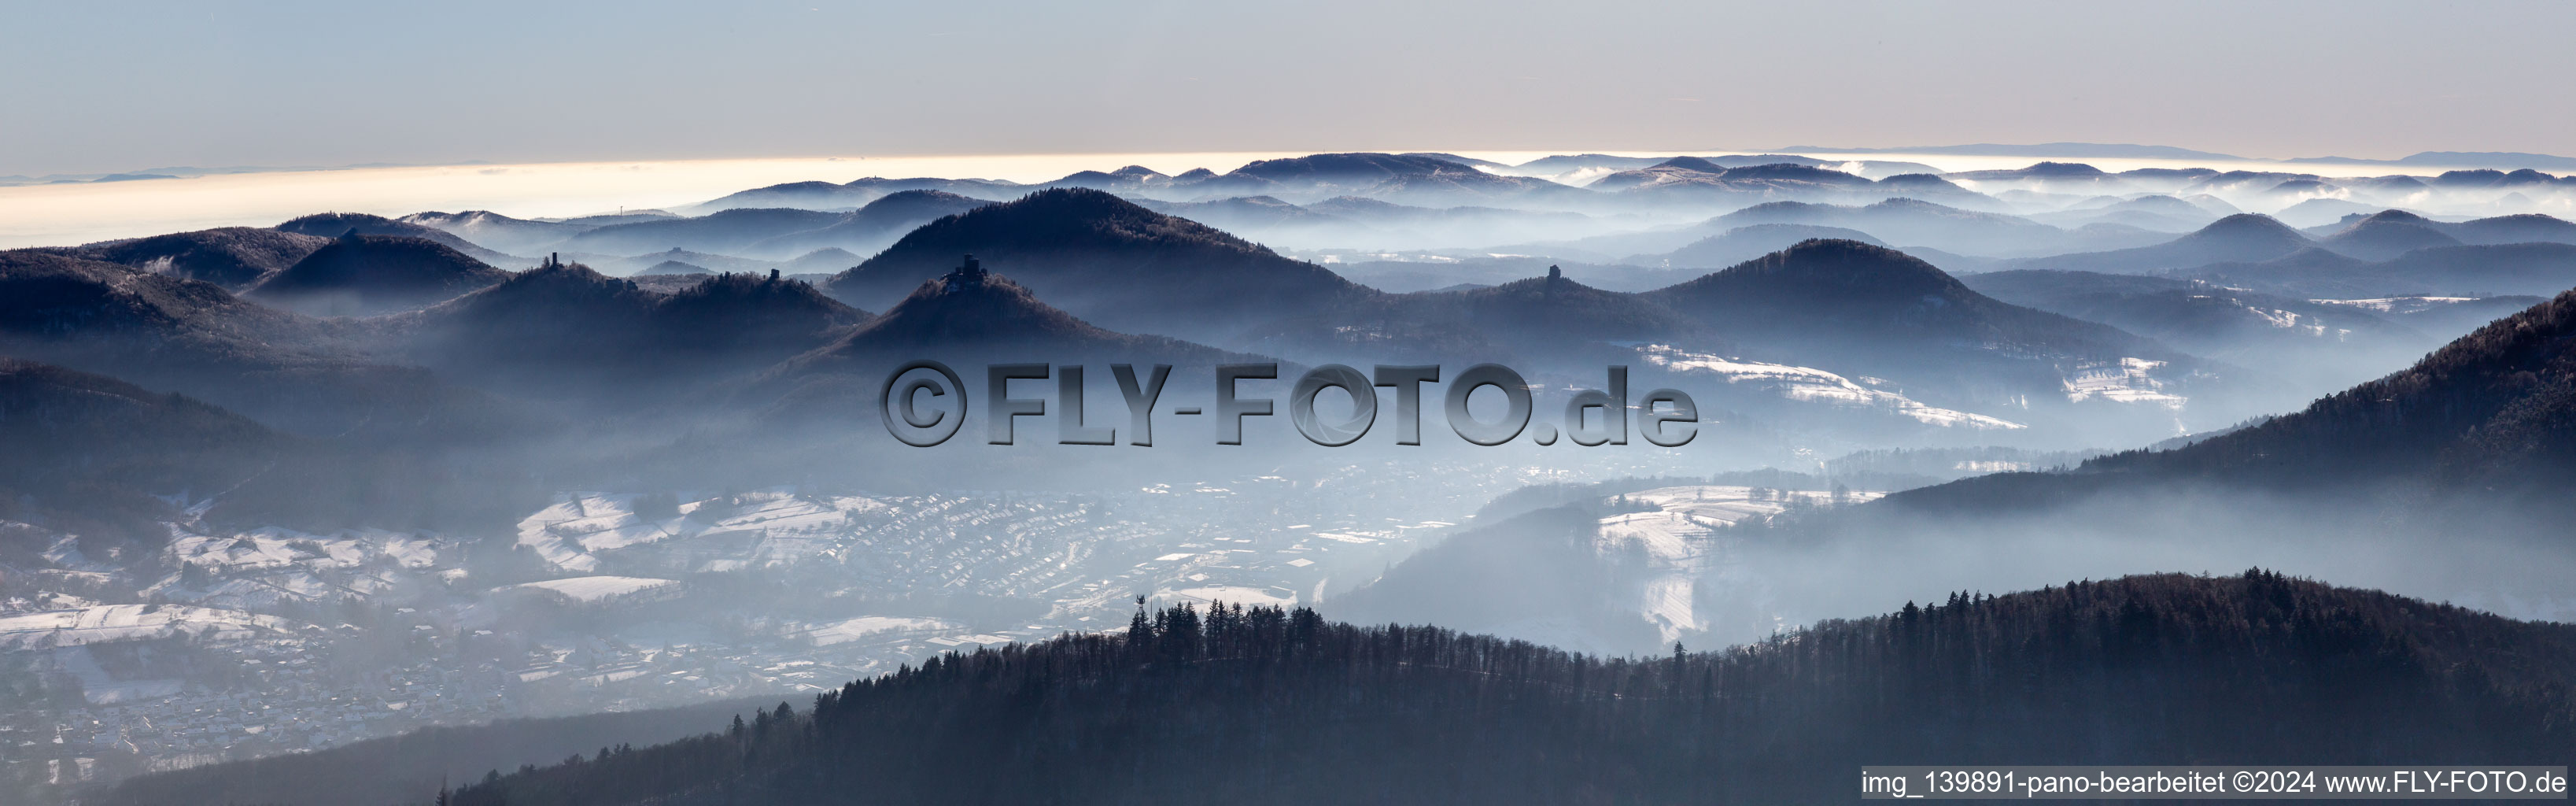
{"x":67,"y":214}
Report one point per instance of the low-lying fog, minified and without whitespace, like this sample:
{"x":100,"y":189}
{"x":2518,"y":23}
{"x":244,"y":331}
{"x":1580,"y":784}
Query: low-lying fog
{"x":83,"y":212}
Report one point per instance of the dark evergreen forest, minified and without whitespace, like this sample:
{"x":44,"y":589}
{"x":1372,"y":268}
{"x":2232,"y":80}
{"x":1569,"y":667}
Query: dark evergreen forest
{"x":1261,"y":705}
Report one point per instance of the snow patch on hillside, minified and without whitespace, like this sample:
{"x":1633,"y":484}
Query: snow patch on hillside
{"x":131,"y":622}
{"x":1683,"y":542}
{"x":780,"y":526}
{"x":2397,"y":305}
{"x":847,"y":630}
{"x":2131,"y":380}
{"x":1232,"y":595}
{"x":594,"y":588}
{"x":1808,"y":384}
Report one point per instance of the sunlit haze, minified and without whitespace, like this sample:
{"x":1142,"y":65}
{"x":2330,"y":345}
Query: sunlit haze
{"x":75,"y":213}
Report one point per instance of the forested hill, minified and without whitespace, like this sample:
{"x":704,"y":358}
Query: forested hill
{"x":2481,"y":431}
{"x":1237,"y":706}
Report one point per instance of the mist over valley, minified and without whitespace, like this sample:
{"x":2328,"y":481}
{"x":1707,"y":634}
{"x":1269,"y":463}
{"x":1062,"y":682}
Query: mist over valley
{"x":274,"y":495}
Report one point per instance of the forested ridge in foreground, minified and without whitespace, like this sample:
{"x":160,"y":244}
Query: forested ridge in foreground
{"x":1264,"y":705}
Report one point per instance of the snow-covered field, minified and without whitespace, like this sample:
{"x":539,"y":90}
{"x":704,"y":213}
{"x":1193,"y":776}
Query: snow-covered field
{"x":594,"y":588}
{"x":2295,"y":321}
{"x":880,"y":580}
{"x":2132,"y":380}
{"x":848,"y":630}
{"x":2397,"y":305}
{"x":263,"y":567}
{"x":1808,"y":384}
{"x":1245,"y":595}
{"x":569,"y":533}
{"x":130,"y":622}
{"x":1683,"y":541}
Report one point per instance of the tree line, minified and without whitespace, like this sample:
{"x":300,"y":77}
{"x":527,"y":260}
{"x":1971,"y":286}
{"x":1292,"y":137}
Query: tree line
{"x":1269,"y":705}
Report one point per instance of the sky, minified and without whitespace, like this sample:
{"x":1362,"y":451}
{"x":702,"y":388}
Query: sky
{"x":96,"y":87}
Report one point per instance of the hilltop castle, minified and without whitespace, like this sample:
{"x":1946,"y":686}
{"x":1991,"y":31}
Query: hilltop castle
{"x":971,"y":273}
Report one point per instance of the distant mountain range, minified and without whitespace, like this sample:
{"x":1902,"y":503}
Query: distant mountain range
{"x":1701,"y":173}
{"x":364,"y":275}
{"x":1984,"y":341}
{"x":724,"y":231}
{"x":1793,"y":314}
{"x":1446,"y":202}
{"x":1404,"y":179}
{"x":232,"y":257}
{"x":1132,"y":270}
{"x":973,"y":312}
{"x":2388,"y":234}
{"x":2157,"y":212}
{"x":1869,"y":310}
{"x":853,"y":194}
{"x":1344,"y":220}
{"x":1748,"y":242}
{"x":571,"y":335}
{"x":2244,"y":237}
{"x":289,"y":372}
{"x":1108,"y":261}
{"x":743,"y":238}
{"x":2318,"y":345}
{"x":2525,"y":228}
{"x":503,"y":232}
{"x":111,"y":319}
{"x":333,"y":225}
{"x":1766,"y":326}
{"x":1912,"y":222}
{"x":2468,"y":271}
{"x":965,"y":317}
{"x":2051,"y":150}
{"x":2505,"y":160}
{"x":871,"y":228}
{"x":1540,"y":324}
{"x":567,"y":331}
{"x":1420,"y":179}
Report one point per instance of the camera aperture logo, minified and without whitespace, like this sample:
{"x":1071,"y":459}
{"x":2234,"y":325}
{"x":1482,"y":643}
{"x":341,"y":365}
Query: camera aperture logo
{"x":925,"y":403}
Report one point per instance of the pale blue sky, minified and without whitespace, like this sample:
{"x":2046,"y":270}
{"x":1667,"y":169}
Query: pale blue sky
{"x":106,"y":86}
